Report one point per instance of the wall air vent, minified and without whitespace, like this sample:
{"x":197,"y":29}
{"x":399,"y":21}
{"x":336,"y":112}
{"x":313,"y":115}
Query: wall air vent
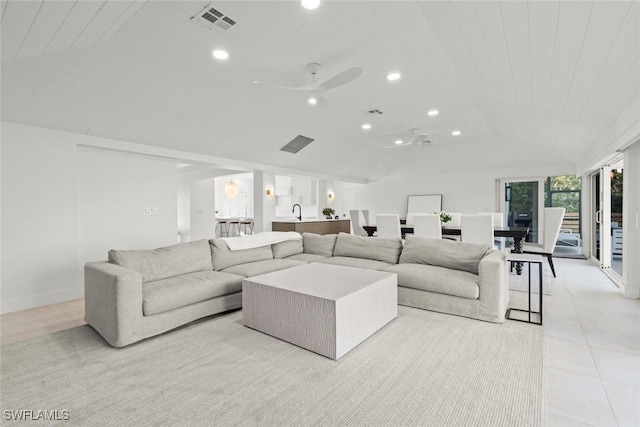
{"x":212,"y":19}
{"x":297,"y":144}
{"x":373,"y":112}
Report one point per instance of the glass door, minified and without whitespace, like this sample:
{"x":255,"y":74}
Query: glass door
{"x":523,"y":203}
{"x":565,"y":191}
{"x":606,"y":223}
{"x":615,"y":215}
{"x":596,"y":217}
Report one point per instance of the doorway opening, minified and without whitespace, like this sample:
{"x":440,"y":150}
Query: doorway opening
{"x":565,"y":191}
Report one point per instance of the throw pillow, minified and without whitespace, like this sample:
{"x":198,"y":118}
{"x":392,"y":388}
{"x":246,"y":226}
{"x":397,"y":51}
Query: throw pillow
{"x":169,"y":261}
{"x":443,"y":253}
{"x":375,"y":248}
{"x":287,"y":248}
{"x":319,"y":244}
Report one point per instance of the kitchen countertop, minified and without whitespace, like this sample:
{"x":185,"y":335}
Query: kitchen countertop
{"x":295,"y":221}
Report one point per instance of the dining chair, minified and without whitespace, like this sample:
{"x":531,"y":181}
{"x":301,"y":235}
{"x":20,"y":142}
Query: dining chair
{"x":427,"y":225}
{"x":388,"y":225}
{"x":498,"y":221}
{"x":552,"y":221}
{"x":477,"y":229}
{"x":365,"y":214}
{"x":357,"y":221}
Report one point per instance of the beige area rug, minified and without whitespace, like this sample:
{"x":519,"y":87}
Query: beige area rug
{"x":424,"y":368}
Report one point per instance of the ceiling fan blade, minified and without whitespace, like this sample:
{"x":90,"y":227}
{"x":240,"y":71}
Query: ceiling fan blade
{"x":340,"y":79}
{"x":306,"y":87}
{"x":322,"y":101}
{"x":404,"y":144}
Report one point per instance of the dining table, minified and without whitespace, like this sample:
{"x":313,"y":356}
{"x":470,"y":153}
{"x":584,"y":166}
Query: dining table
{"x":518,"y":234}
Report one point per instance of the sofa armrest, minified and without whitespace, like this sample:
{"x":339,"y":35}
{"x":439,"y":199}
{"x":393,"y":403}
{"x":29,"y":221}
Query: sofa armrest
{"x":113,"y":302}
{"x":493,"y":281}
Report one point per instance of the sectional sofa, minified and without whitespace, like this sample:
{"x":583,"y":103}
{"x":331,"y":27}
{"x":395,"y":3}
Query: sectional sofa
{"x":141,"y":293}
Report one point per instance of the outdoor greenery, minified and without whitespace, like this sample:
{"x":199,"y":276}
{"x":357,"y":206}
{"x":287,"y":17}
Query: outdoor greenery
{"x":563,"y":191}
{"x":616,"y":190}
{"x":522,"y":196}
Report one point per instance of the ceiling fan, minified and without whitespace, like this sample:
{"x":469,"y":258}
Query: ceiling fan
{"x":417,"y":138}
{"x":315,"y":89}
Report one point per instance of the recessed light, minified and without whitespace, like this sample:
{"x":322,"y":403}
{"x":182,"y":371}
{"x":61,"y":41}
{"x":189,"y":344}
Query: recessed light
{"x":398,"y":141}
{"x":393,"y":76}
{"x":456,"y":133}
{"x":310,"y":4}
{"x":312,"y":100}
{"x":366,"y":126}
{"x":220,"y":54}
{"x":433,"y":112}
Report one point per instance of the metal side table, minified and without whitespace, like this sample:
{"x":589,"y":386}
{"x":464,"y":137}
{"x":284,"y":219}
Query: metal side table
{"x":529,"y":259}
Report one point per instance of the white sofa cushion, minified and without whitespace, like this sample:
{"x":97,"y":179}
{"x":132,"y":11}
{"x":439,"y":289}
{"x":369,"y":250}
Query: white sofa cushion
{"x":262,"y":267}
{"x":318,"y":244}
{"x":306,"y":257}
{"x":369,"y":264}
{"x":437,"y":279}
{"x":161,"y":263}
{"x":169,"y":294}
{"x":287,"y":249}
{"x":379,"y":249}
{"x":222,"y":257}
{"x":443,"y":253}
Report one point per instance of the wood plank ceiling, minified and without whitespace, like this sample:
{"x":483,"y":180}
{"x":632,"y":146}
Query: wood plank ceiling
{"x":527,"y":82}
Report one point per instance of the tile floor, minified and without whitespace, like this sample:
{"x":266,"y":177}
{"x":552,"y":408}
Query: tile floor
{"x":592,"y":346}
{"x":592,"y":350}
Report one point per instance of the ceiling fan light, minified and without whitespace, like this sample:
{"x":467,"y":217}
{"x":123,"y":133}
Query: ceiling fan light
{"x":433,"y":113}
{"x":456,"y":133}
{"x":220,"y":54}
{"x":398,"y":141}
{"x":312,"y":100}
{"x":366,"y":126}
{"x":393,"y":76}
{"x":310,"y":4}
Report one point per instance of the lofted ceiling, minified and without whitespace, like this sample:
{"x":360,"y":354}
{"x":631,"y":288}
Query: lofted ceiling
{"x":527,"y":83}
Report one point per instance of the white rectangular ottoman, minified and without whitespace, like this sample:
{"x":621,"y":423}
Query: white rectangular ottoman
{"x":328,"y":309}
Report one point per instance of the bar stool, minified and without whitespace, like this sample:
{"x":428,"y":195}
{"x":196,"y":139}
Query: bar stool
{"x":244,"y":224}
{"x":234,"y":223}
{"x":222,"y":225}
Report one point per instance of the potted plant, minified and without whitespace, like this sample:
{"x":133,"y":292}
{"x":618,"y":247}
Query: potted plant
{"x":328,"y":213}
{"x":444,"y":217}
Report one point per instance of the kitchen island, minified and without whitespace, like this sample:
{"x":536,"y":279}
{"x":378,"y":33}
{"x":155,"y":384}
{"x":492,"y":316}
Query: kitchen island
{"x":317,"y":226}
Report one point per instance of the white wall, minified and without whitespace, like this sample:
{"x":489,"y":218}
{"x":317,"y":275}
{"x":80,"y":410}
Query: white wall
{"x":39,"y":218}
{"x":462,"y":192}
{"x":113,"y":189}
{"x":265,"y":207}
{"x":64,"y":204}
{"x":184,"y":208}
{"x":631,"y":220}
{"x":202,"y":202}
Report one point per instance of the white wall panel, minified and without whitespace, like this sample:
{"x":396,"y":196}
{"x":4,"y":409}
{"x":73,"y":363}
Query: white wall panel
{"x":39,"y":218}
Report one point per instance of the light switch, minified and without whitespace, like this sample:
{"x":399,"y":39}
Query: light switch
{"x":149,"y":211}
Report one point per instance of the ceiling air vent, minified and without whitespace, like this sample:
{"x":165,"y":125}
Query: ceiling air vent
{"x":374,"y":112}
{"x":297,"y":144}
{"x":212,"y":19}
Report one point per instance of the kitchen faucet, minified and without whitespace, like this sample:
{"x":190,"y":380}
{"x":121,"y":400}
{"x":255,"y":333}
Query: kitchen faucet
{"x":294,"y":211}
